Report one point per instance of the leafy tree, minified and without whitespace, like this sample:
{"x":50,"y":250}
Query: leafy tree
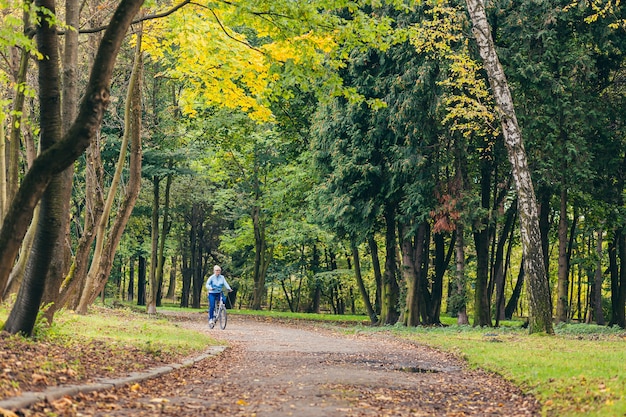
{"x":57,"y":157}
{"x":534,"y":267}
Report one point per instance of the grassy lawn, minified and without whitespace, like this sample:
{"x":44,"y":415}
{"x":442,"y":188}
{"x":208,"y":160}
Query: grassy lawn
{"x":124,"y":327}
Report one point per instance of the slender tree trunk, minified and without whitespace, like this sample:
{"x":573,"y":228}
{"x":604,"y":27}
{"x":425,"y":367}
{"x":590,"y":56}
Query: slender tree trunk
{"x":390,"y":292}
{"x":261,"y":258}
{"x":442,"y":261}
{"x":620,"y":301}
{"x":131,"y":280}
{"x":498,"y":272}
{"x":164,"y":230}
{"x":171,"y":288}
{"x":412,"y":260}
{"x":482,"y":305}
{"x":152,"y":296}
{"x":377,"y":272}
{"x":106,"y":243}
{"x":540,"y":314}
{"x":10,"y":188}
{"x":599,"y":279}
{"x":3,"y":168}
{"x":141,"y":282}
{"x":186,"y":274}
{"x":562,"y":306}
{"x":359,"y":280}
{"x":460,"y":294}
{"x":74,"y":283}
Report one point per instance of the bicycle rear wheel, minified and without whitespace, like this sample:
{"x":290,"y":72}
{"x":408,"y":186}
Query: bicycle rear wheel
{"x":222,"y":317}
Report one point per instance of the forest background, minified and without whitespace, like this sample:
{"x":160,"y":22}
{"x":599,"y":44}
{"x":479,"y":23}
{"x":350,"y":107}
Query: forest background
{"x":342,"y":156}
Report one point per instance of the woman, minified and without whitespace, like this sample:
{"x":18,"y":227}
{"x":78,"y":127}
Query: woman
{"x":215,"y":285}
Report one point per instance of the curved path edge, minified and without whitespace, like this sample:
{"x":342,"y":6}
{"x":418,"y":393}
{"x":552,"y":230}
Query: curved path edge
{"x":29,"y":398}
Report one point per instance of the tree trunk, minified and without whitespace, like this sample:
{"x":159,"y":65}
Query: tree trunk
{"x":24,"y":313}
{"x":562,"y":306}
{"x":540,"y":314}
{"x":359,"y":280}
{"x":106,"y":243}
{"x":598,"y":281}
{"x":11,"y":187}
{"x":261,"y":258}
{"x":74,"y":283}
{"x":412,"y":260}
{"x":390,"y":291}
{"x":152,"y":296}
{"x":164,"y":230}
{"x":482,"y":305}
{"x":141,"y":282}
{"x":3,"y":169}
{"x":499,"y":263}
{"x":61,"y":260}
{"x":460,"y":291}
{"x":371,"y":241}
{"x":619,"y":304}
{"x":131,"y":280}
{"x":186,"y":274}
{"x":171,"y":288}
{"x":61,"y":155}
{"x":442,"y":261}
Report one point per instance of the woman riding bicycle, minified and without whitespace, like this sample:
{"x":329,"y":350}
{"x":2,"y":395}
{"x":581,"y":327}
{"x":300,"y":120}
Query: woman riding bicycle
{"x":215,"y":285}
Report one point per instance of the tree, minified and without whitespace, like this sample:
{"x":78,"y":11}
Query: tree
{"x":58,"y":157}
{"x":540,"y":317}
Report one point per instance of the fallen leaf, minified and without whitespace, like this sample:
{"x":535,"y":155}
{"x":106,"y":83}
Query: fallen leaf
{"x":7,"y":413}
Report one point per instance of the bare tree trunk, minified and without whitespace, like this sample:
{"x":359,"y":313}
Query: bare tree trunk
{"x":390,"y":291}
{"x":154,"y":239}
{"x":132,"y":130}
{"x":540,"y":314}
{"x":3,"y":168}
{"x":498,"y":272}
{"x":164,"y":230}
{"x":61,"y":260}
{"x":562,"y":306}
{"x":460,"y":293}
{"x":412,"y":258}
{"x":74,"y":283}
{"x":24,"y":313}
{"x":16,"y":120}
{"x":371,"y":242}
{"x":597,"y":300}
{"x":359,"y":280}
{"x":482,"y":299}
{"x":171,"y":288}
{"x":262,"y":256}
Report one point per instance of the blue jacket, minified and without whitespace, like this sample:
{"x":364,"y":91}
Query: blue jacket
{"x":215,"y":284}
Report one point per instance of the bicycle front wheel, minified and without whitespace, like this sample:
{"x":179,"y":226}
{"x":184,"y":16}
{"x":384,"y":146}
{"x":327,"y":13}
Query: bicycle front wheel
{"x":222,"y":318}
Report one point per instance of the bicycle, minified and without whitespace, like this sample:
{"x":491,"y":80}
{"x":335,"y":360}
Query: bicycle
{"x":220,"y":314}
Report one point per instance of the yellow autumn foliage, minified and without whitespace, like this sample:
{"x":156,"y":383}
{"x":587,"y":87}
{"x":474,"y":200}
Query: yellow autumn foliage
{"x":218,"y":63}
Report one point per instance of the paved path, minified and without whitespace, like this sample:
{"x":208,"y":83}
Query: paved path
{"x":271,"y":369}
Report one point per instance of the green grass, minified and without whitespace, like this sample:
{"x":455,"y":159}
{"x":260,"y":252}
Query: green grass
{"x":580,"y":371}
{"x":125,"y":327}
